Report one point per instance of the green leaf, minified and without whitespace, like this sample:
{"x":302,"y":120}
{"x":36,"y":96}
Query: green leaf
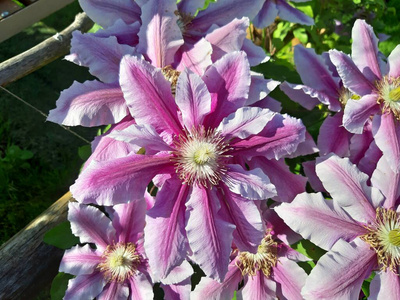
{"x":366,"y":284}
{"x":59,"y":286}
{"x":308,"y":249}
{"x":234,"y":296}
{"x":61,"y":236}
{"x":26,"y":154}
{"x":301,"y":34}
{"x":84,"y":152}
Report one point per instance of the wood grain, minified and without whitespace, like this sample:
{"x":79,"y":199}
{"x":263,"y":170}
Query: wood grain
{"x":27,"y":264}
{"x":43,"y":53}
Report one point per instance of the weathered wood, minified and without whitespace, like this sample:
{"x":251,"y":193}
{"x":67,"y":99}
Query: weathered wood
{"x":43,"y":53}
{"x":27,"y":264}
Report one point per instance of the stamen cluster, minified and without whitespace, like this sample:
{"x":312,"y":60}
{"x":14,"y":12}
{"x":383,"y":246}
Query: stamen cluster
{"x":384,"y":238}
{"x":389,"y":95}
{"x":265,"y":258}
{"x":200,"y":157}
{"x":119,"y":262}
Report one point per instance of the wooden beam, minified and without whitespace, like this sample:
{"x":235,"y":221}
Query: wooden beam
{"x":27,"y":264}
{"x":29,"y":15}
{"x":43,"y":53}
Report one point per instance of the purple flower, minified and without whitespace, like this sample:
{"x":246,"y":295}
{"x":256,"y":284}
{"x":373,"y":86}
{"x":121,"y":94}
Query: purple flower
{"x":271,"y":272}
{"x":192,"y":143}
{"x":360,"y":228}
{"x":117,"y":268}
{"x":273,"y":8}
{"x":377,"y":86}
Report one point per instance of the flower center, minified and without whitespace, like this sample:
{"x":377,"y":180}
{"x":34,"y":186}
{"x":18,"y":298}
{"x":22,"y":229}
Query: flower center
{"x":200,"y":157}
{"x":389,"y":95}
{"x":384,"y":238}
{"x":265,"y":258}
{"x":119,"y":262}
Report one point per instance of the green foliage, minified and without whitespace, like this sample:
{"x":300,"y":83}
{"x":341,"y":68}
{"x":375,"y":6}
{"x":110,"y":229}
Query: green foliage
{"x":59,"y":286}
{"x":61,"y":236}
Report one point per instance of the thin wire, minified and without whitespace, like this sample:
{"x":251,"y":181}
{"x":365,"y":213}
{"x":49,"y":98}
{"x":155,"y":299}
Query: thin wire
{"x":43,"y":114}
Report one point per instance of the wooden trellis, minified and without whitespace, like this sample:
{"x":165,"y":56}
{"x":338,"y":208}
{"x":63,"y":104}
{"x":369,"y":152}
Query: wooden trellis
{"x":27,"y":264}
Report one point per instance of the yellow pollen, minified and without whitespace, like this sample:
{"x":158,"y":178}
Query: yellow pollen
{"x":204,"y":154}
{"x":355,"y":97}
{"x":264,"y":260}
{"x":394,"y":237}
{"x":395,"y":94}
{"x":119,"y":262}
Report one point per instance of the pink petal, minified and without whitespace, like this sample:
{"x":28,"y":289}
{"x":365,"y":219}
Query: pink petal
{"x":333,"y":137}
{"x":388,"y":182}
{"x":280,"y":137}
{"x":386,"y":131}
{"x":179,"y":274}
{"x":313,"y":179}
{"x":394,"y":62}
{"x":368,"y":163}
{"x":119,"y":180}
{"x":91,"y":103}
{"x":228,"y":81}
{"x":85,"y":286}
{"x":357,"y":112}
{"x":348,"y":187}
{"x":141,"y":136}
{"x":195,"y":57}
{"x":101,"y":55}
{"x":288,"y":12}
{"x":90,"y":225}
{"x":193,"y":99}
{"x":253,"y":184}
{"x":255,"y":54}
{"x":244,"y":122}
{"x":211,"y":289}
{"x":105,"y":148}
{"x":114,"y":290}
{"x":128,"y":221}
{"x":260,"y":87}
{"x":314,"y":72}
{"x":351,"y":76}
{"x":364,"y":50}
{"x":291,"y":278}
{"x":306,"y":96}
{"x":165,"y":238}
{"x":269,"y":103}
{"x":266,"y":15}
{"x":80,"y":260}
{"x":385,"y":285}
{"x":340,"y":273}
{"x":245,"y":215}
{"x":319,"y":220}
{"x":258,"y":287}
{"x":179,"y":291}
{"x":106,"y":12}
{"x":287,"y":184}
{"x":228,"y":38}
{"x":223,"y":11}
{"x":141,"y":287}
{"x":359,"y":144}
{"x":125,"y":33}
{"x":210,"y":237}
{"x":148,"y":95}
{"x":159,"y":36}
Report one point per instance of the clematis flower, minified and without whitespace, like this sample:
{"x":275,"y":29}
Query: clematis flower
{"x":191,"y":143}
{"x":377,"y":85}
{"x":322,"y":84}
{"x":117,"y":267}
{"x":359,"y":227}
{"x":273,"y":8}
{"x":271,"y":273}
